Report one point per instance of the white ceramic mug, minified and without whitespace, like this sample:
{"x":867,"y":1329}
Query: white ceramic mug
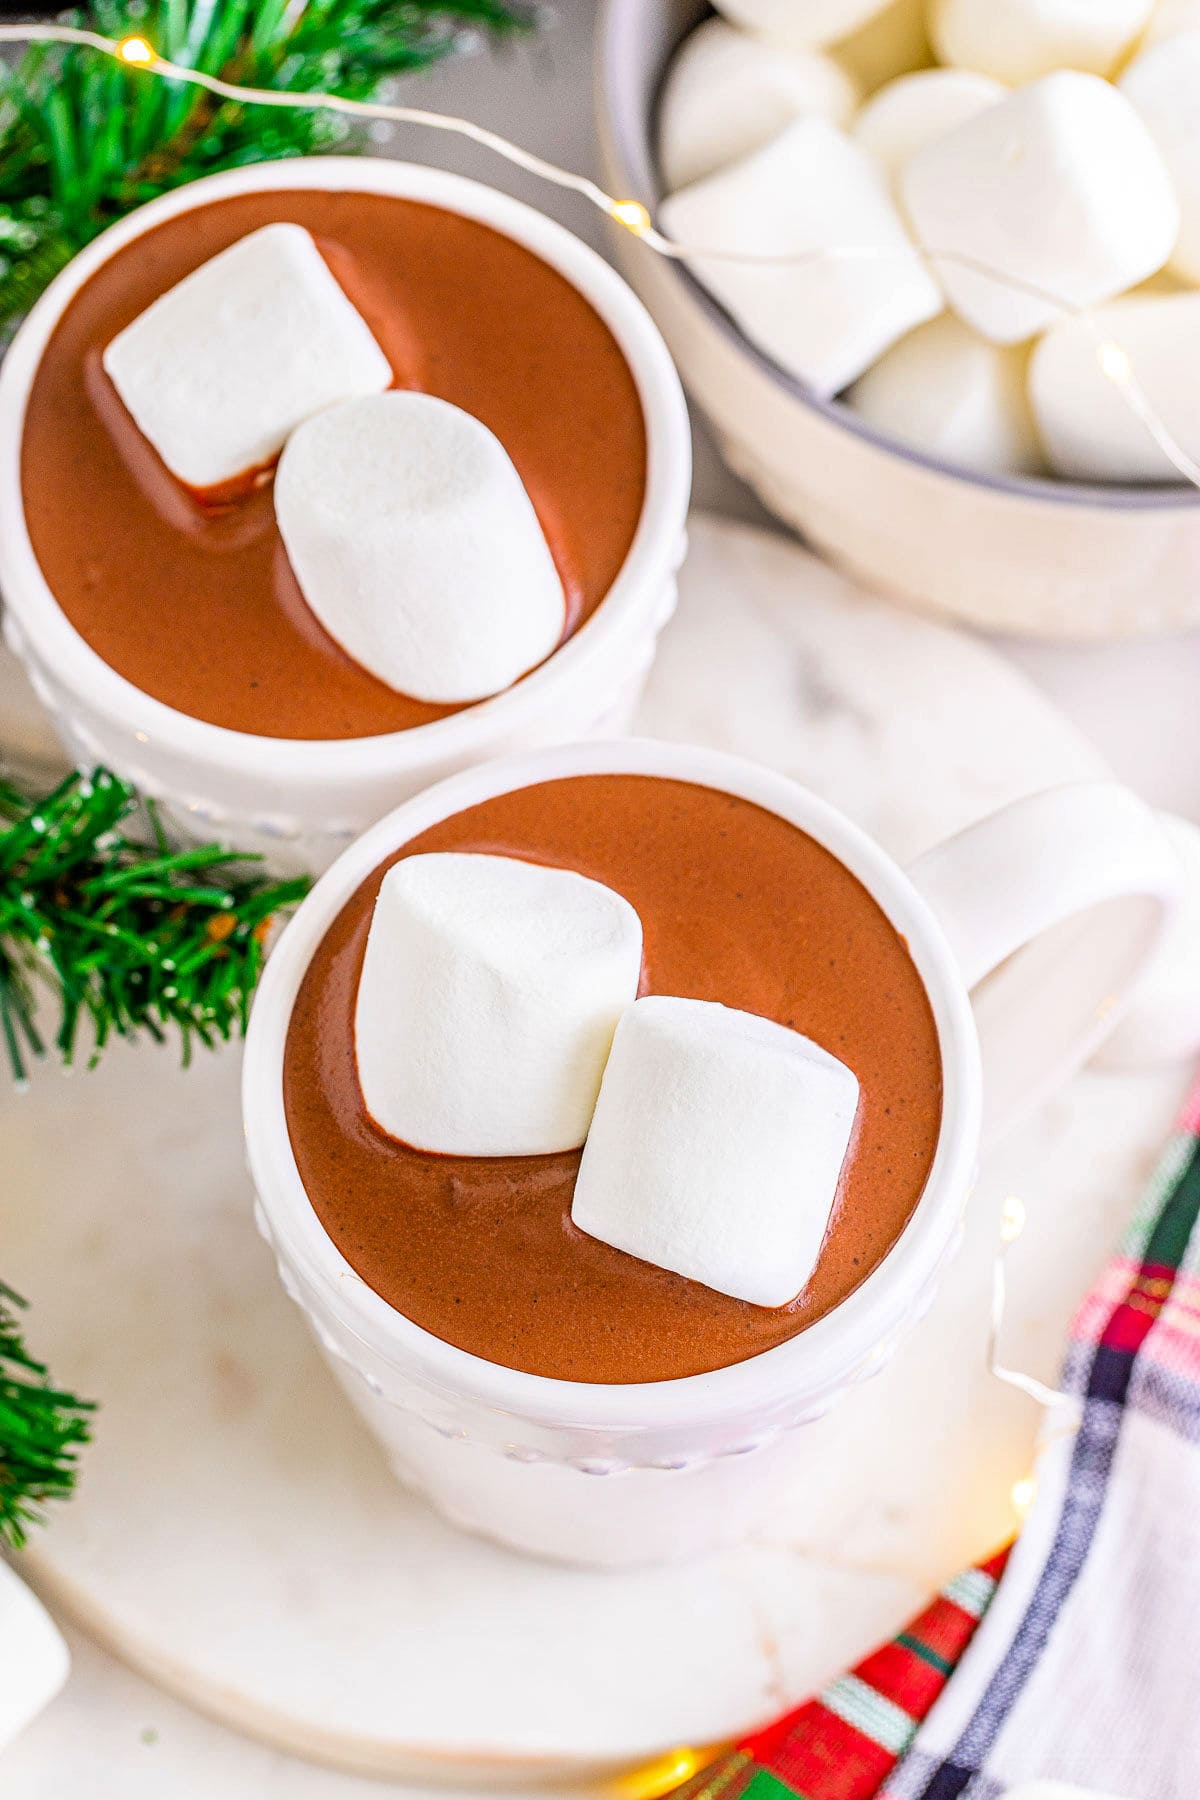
{"x":1050,"y":909}
{"x":301,"y":802}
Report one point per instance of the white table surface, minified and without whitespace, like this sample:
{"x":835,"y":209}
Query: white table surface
{"x":1136,"y":702}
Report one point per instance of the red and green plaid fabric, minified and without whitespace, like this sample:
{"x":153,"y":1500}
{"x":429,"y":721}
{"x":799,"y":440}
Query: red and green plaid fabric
{"x":1134,"y":1352}
{"x":1112,"y":1552}
{"x":843,"y":1745}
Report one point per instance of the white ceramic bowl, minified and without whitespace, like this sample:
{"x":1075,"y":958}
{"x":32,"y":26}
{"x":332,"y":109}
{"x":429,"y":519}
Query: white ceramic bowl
{"x":300,"y":803}
{"x":1038,"y":556}
{"x":1086,"y":884}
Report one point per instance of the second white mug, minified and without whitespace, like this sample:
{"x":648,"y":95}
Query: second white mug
{"x":1048,"y":911}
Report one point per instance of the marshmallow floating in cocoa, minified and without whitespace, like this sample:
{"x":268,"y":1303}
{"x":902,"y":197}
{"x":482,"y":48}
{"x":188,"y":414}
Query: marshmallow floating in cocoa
{"x":417,"y":546}
{"x":949,"y":392}
{"x":220,"y":369}
{"x":1059,"y":189}
{"x":1164,"y":85}
{"x":914,"y":110}
{"x":716,"y":1147}
{"x":728,"y":93}
{"x":33,"y":1656}
{"x":812,"y":189}
{"x":1089,"y":429}
{"x":1018,"y":40}
{"x":801,"y":21}
{"x":489,"y":994}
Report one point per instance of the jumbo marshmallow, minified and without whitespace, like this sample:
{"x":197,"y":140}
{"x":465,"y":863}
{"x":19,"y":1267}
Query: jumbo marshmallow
{"x":716,"y":1148}
{"x":417,"y":547}
{"x":893,"y":43}
{"x":1059,"y":189}
{"x":34,"y":1660}
{"x":220,"y":369}
{"x":824,"y":318}
{"x":1170,"y":17}
{"x":1090,"y":430}
{"x":954,"y":395}
{"x":801,"y":22}
{"x":1162,"y":1023}
{"x":489,"y":995}
{"x":915,"y":110}
{"x":1164,"y":85}
{"x":1019,"y":40}
{"x":728,"y":93}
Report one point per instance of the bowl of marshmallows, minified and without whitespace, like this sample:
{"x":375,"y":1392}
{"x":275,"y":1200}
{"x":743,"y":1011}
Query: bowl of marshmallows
{"x":937,"y":285}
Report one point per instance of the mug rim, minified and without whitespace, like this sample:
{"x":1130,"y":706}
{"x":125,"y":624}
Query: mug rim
{"x":818,"y":1360}
{"x":656,"y":544}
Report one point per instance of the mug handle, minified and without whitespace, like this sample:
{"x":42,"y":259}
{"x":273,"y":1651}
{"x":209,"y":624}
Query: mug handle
{"x":1053,"y":907}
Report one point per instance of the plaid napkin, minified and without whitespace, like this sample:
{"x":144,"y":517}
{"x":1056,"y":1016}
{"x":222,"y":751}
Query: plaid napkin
{"x":1086,"y":1668}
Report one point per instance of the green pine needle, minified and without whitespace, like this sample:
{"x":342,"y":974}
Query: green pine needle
{"x":84,"y":141}
{"x":41,"y":1431}
{"x":130,"y":938}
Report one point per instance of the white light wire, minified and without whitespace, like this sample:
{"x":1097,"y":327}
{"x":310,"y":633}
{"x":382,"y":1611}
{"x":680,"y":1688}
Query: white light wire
{"x":135,"y":53}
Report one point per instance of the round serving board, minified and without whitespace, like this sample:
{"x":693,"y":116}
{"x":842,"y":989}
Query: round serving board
{"x":28,"y":745}
{"x":238,"y":1538}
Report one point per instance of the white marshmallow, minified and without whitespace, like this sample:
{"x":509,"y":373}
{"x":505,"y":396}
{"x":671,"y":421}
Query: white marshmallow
{"x":1164,"y":85}
{"x":417,"y":547}
{"x":914,"y":110}
{"x":1089,"y":429}
{"x":716,"y":1148}
{"x":1162,"y":1024}
{"x":1058,"y":187}
{"x":893,"y":43}
{"x":489,"y":995}
{"x":813,"y":188}
{"x":1018,"y":40}
{"x":34,"y":1660}
{"x":728,"y":93}
{"x":954,"y":395}
{"x":1169,"y":17}
{"x":220,"y":368}
{"x":801,"y":22}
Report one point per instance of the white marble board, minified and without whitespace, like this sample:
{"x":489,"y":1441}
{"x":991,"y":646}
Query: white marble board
{"x":237,"y":1537}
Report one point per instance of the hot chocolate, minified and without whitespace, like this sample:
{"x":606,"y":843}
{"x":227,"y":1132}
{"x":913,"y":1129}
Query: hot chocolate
{"x":737,"y":906}
{"x":194,"y":602}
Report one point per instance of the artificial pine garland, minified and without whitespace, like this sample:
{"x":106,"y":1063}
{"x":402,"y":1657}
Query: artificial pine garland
{"x":41,"y":1432}
{"x":83,"y":140}
{"x":134,"y":937}
{"x":131,"y":937}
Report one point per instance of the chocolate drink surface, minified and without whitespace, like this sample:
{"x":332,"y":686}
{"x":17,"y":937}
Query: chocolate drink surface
{"x":197,"y":605}
{"x":738,"y":906}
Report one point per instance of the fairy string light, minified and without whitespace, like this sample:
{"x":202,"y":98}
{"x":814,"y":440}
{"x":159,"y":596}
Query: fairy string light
{"x":1012,"y":1224}
{"x":1050,"y":1399}
{"x":1013,"y":1219}
{"x":136,"y":53}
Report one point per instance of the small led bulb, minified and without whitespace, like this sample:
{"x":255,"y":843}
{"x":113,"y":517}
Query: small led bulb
{"x":135,"y":50}
{"x":633,"y":215}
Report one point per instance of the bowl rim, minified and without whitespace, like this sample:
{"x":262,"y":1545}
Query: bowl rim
{"x":654,"y":552}
{"x":632,"y":153}
{"x":815,"y":1364}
